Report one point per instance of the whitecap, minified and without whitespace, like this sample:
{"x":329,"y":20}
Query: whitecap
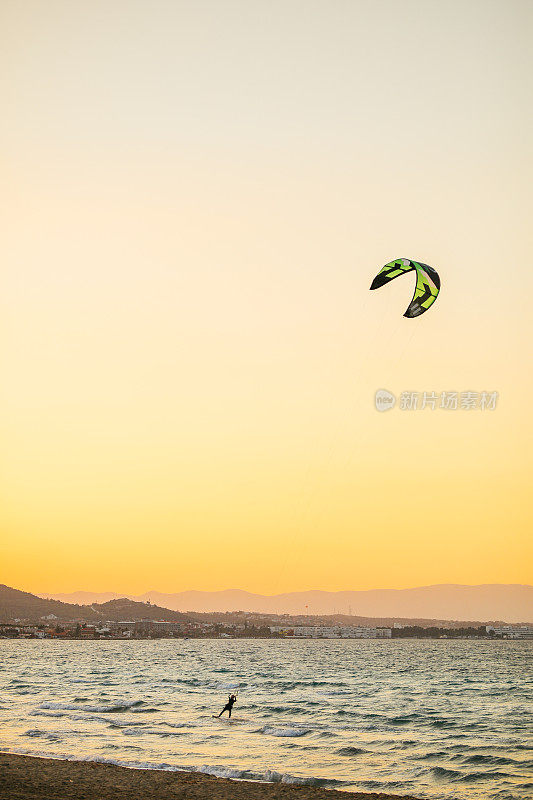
{"x":271,"y":731}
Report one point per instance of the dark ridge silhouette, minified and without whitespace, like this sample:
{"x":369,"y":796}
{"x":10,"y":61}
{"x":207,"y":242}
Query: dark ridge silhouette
{"x":15,"y":604}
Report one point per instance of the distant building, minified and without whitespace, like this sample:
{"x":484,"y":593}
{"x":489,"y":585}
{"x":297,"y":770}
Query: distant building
{"x":332,"y":632}
{"x":511,"y":631}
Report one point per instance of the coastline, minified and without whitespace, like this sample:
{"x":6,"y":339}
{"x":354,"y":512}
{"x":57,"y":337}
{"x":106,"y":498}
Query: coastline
{"x":25,"y":777}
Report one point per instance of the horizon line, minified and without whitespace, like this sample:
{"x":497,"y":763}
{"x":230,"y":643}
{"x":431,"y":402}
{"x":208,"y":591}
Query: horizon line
{"x":278,"y":594}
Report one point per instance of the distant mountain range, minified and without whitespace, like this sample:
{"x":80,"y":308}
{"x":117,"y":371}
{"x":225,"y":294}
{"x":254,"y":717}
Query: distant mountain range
{"x":491,"y":601}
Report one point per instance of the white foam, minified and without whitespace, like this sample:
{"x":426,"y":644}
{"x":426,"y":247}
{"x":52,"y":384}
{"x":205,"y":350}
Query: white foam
{"x":222,"y":772}
{"x":271,"y":731}
{"x":269,"y":776}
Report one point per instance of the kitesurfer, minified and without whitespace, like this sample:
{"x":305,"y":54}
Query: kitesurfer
{"x":232,"y":699}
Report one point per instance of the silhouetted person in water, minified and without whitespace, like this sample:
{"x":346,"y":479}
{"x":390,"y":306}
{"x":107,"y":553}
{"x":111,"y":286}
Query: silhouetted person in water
{"x":229,"y":705}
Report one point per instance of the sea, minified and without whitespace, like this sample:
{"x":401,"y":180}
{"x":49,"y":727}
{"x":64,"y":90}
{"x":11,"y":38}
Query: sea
{"x":434,"y":719}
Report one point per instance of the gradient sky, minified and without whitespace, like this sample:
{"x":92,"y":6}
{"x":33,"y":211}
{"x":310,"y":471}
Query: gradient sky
{"x":197,"y":196}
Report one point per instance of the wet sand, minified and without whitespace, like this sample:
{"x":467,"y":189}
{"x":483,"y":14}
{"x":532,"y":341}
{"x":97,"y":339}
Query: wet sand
{"x":29,"y":778}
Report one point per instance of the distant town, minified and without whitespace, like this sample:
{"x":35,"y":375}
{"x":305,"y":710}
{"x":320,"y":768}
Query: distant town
{"x":49,"y":628}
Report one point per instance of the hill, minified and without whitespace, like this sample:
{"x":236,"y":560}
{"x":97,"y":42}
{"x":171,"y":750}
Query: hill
{"x":15,"y":604}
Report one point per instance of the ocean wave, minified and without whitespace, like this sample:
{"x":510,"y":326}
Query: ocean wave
{"x":121,"y":746}
{"x":287,"y":685}
{"x":227,"y":686}
{"x":479,"y":758}
{"x":442,"y":723}
{"x":179,"y":724}
{"x":290,"y":732}
{"x":37,"y":713}
{"x":404,"y":719}
{"x":150,"y":710}
{"x":87,"y":718}
{"x":117,"y":723}
{"x":228,"y":772}
{"x":163,"y":765}
{"x":350,"y":751}
{"x":100,"y":709}
{"x":36,"y":733}
{"x":269,"y":776}
{"x":151,"y":732}
{"x":442,"y":772}
{"x":430,"y":755}
{"x":473,"y":777}
{"x":185,"y":681}
{"x":24,"y":751}
{"x":467,"y":777}
{"x":383,"y":785}
{"x":281,"y":709}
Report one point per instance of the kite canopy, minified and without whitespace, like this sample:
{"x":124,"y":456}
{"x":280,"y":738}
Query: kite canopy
{"x":427,"y":283}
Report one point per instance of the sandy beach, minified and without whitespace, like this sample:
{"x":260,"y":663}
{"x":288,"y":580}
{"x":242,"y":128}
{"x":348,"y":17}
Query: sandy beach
{"x":29,"y":778}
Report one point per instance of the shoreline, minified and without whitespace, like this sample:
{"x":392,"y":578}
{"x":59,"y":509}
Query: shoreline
{"x":496,"y":639}
{"x":25,"y":777}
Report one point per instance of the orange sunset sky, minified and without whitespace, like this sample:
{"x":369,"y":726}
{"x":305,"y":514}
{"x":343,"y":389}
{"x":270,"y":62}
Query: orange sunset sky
{"x":196,"y":197}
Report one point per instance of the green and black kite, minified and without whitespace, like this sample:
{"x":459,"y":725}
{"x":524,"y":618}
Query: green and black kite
{"x":427,"y":283}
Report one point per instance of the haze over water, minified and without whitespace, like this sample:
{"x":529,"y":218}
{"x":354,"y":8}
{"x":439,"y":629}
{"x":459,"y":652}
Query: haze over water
{"x":446,"y":719}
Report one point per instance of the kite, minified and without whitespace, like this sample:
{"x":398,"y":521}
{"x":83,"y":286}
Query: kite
{"x":427,"y":283}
